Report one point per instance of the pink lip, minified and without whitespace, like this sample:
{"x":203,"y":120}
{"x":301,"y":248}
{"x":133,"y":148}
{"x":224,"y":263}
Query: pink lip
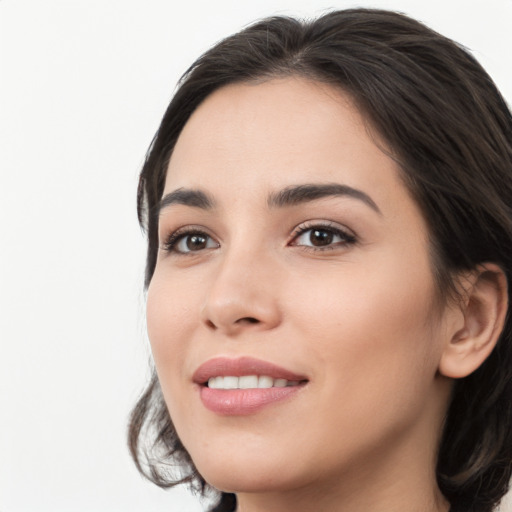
{"x":222,"y":366}
{"x":242,"y":402}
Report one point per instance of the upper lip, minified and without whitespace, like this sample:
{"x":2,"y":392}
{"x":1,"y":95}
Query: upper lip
{"x":223,"y":366}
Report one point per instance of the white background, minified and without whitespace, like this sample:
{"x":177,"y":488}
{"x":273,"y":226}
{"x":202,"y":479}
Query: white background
{"x":83,"y":84}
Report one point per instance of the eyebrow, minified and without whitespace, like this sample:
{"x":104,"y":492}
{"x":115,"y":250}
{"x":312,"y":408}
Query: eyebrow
{"x":298,"y":194}
{"x":289,"y":196}
{"x":187,"y":197}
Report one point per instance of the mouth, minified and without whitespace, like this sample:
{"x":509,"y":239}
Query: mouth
{"x":243,"y":386}
{"x":244,"y":373}
{"x":249,"y":382}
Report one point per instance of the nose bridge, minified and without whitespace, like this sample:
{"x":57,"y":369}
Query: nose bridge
{"x":242,"y":293}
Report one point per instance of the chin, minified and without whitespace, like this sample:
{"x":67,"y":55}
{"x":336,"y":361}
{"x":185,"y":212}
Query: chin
{"x":246,"y":472}
{"x":247,"y":480}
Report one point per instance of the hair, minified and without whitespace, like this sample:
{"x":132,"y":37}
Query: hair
{"x":446,"y":125}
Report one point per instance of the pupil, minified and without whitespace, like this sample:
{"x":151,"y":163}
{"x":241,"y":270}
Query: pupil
{"x":321,"y":237}
{"x":196,"y":242}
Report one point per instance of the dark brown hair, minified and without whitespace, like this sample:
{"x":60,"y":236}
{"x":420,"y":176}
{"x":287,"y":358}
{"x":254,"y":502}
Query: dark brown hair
{"x":450,"y":131}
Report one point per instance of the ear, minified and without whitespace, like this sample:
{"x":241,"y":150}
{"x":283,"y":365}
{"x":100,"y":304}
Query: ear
{"x":484,"y":311}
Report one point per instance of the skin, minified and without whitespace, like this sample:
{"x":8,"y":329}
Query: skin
{"x":359,"y":319}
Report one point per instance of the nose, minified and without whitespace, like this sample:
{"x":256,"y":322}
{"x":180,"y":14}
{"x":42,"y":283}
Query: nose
{"x":243,"y":295}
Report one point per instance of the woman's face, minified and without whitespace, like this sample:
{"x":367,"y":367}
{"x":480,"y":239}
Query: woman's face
{"x":290,"y":250}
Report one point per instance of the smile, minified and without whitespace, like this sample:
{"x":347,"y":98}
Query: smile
{"x":249,"y":382}
{"x":244,"y":386}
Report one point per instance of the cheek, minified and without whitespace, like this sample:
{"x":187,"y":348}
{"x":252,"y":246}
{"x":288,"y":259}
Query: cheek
{"x":170,"y":323}
{"x":362,"y":297}
{"x":371,"y":336}
{"x":374,"y":329}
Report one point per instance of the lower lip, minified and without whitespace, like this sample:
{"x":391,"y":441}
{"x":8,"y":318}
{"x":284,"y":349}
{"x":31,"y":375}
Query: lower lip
{"x":242,"y":402}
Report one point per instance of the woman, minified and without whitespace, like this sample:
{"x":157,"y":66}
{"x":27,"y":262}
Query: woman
{"x":327,"y":206}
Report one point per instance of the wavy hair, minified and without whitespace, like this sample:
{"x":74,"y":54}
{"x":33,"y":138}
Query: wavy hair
{"x":450,"y":131}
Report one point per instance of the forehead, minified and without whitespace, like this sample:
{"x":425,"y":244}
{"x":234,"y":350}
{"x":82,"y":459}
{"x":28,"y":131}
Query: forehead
{"x":266,"y":136}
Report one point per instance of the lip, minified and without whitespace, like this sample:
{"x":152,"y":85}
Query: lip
{"x":243,"y":402}
{"x":223,"y":366}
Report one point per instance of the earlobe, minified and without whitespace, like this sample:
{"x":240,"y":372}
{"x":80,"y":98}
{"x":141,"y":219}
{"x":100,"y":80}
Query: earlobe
{"x":484,"y":310}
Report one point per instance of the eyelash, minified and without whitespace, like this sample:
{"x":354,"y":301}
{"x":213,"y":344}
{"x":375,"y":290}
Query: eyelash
{"x":347,"y":239}
{"x":172,"y":241}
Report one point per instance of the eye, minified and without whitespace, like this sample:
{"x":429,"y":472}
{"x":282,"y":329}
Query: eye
{"x":322,"y":237}
{"x":189,"y":241}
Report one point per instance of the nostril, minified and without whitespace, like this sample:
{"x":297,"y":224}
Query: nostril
{"x":241,"y":321}
{"x":248,"y":319}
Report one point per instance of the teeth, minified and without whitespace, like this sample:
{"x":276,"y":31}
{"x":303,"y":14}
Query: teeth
{"x":265,"y":382}
{"x":226,"y":382}
{"x":249,"y":382}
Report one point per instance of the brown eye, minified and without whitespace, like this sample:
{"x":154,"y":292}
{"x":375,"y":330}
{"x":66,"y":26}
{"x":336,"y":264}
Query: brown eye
{"x":185,"y":243}
{"x":320,"y":237}
{"x":195,"y":242}
{"x":323,"y":237}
